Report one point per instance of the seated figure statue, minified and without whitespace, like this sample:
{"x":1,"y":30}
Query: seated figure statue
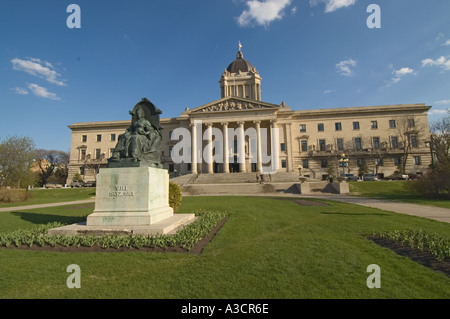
{"x":140,"y":144}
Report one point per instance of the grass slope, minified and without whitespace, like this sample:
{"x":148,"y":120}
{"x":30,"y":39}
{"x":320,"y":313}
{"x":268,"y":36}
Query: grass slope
{"x":269,"y":248}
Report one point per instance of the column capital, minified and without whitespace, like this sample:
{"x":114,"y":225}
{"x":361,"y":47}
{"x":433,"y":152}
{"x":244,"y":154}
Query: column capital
{"x":241,"y":122}
{"x":209,"y":124}
{"x":257,"y":121}
{"x":224,"y":123}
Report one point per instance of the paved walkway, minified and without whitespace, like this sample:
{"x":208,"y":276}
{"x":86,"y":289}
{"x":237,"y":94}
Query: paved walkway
{"x":431,"y":212}
{"x":16,"y":208}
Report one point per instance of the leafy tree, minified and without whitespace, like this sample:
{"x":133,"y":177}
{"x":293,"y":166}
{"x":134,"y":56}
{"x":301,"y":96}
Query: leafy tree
{"x":53,"y":166}
{"x":16,"y":155}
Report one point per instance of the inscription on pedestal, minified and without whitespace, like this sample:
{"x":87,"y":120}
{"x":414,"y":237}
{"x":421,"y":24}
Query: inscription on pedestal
{"x":120,"y":191}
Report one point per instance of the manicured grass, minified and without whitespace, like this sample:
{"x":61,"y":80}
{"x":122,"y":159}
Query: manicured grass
{"x":268,"y":248}
{"x":43,"y":196}
{"x":394,"y":190}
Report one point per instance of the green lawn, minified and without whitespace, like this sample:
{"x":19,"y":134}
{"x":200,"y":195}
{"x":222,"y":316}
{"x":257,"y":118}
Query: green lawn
{"x":393,"y":190}
{"x":268,"y":248}
{"x":43,"y":196}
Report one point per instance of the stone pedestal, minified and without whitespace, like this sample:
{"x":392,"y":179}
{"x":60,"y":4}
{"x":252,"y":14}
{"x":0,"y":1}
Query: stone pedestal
{"x":130,"y":201}
{"x":137,"y":196}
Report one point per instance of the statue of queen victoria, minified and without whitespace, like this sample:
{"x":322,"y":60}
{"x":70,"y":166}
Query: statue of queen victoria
{"x":140,"y":145}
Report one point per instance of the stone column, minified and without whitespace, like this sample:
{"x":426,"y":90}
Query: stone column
{"x":209,"y":155}
{"x":258,"y":146}
{"x":274,"y":145}
{"x":226,"y":166}
{"x":241,"y":147}
{"x":193,"y":148}
{"x":288,"y":139}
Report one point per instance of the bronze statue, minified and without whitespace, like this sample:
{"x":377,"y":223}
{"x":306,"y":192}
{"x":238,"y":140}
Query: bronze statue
{"x":140,"y":145}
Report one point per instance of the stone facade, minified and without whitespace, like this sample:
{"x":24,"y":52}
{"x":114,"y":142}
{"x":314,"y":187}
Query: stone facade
{"x":256,"y":136}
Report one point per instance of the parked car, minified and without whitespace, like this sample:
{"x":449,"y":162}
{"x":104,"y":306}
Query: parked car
{"x":370,"y":177}
{"x":53,"y":185}
{"x":90,"y":184}
{"x":397,"y":177}
{"x":77,"y":184}
{"x":350,"y":177}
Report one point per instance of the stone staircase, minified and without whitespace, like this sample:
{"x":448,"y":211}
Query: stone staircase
{"x":247,"y":184}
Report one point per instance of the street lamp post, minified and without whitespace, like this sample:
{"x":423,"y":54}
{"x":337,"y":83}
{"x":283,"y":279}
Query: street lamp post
{"x":343,"y":162}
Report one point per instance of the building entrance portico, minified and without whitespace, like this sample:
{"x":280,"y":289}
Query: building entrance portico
{"x":221,"y":145}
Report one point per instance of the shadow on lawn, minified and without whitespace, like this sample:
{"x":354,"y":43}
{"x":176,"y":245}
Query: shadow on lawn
{"x":48,"y":218}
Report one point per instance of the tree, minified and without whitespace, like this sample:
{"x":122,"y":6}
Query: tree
{"x":16,"y":155}
{"x":440,"y":139}
{"x":408,"y":130}
{"x":53,"y":165}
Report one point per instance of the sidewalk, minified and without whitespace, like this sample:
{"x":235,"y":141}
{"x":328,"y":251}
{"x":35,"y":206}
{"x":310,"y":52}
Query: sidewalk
{"x":431,"y":212}
{"x":16,"y":208}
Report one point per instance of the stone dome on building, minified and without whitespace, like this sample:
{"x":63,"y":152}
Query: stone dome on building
{"x":240,"y":64}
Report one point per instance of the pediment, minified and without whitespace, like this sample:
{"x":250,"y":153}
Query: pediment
{"x":231,"y":104}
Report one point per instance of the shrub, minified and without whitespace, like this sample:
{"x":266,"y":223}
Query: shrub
{"x":435,"y":184}
{"x":175,"y":195}
{"x":9,"y":195}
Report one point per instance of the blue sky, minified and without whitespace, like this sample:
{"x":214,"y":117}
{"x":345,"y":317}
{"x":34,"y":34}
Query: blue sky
{"x":310,"y":53}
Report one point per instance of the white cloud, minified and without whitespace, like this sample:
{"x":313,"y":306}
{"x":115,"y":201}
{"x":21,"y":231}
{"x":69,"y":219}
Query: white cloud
{"x":442,"y":102}
{"x":20,"y":91}
{"x":42,"y":92}
{"x":443,"y":62}
{"x":447,"y":42}
{"x":327,"y":91}
{"x":439,"y":112}
{"x":403,"y":71}
{"x":333,"y":5}
{"x":344,"y":67}
{"x":36,"y":67}
{"x":263,"y":12}
{"x":398,"y":75}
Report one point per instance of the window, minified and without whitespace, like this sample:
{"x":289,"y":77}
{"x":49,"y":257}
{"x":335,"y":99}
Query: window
{"x":82,"y":170}
{"x":99,"y":138}
{"x":356,"y":125}
{"x":322,"y":145}
{"x":376,"y":142}
{"x":359,"y":162}
{"x":411,"y":123}
{"x":113,"y":137}
{"x":397,"y":160}
{"x":304,"y":145}
{"x":83,"y":155}
{"x":340,"y":144}
{"x":338,"y":126}
{"x":97,"y":153}
{"x":379,"y":162}
{"x":111,"y":151}
{"x":392,"y":124}
{"x":189,"y":167}
{"x":283,"y":147}
{"x":170,"y":135}
{"x":324,"y":163}
{"x":413,"y":140}
{"x":170,"y":150}
{"x":302,"y":127}
{"x":373,"y":125}
{"x":358,"y":145}
{"x":320,"y":127}
{"x":283,"y":163}
{"x":305,"y":163}
{"x":171,"y":168}
{"x":394,"y":141}
{"x":417,"y":160}
{"x":84,"y":138}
